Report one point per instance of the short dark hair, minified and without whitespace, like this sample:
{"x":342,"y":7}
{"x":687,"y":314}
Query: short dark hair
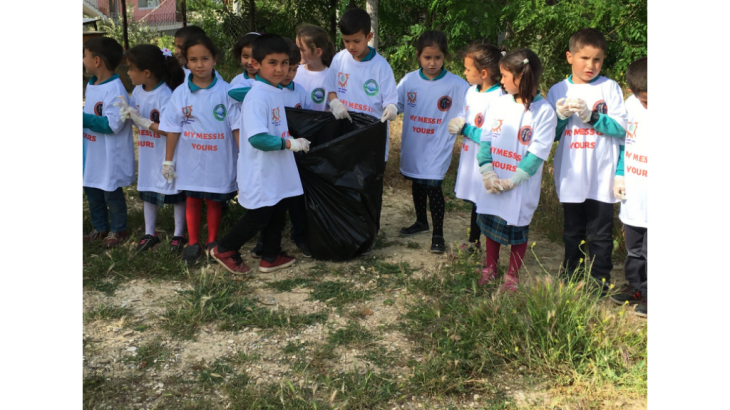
{"x":244,"y":41}
{"x":636,"y":76}
{"x":199,"y":39}
{"x":430,"y":39}
{"x":587,"y":37}
{"x":106,"y":48}
{"x":355,"y":20}
{"x":295,"y":56}
{"x":189,"y":31}
{"x":268,"y":44}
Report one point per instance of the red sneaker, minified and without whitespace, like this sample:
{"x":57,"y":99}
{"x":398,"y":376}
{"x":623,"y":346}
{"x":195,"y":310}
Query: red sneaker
{"x":230,"y":260}
{"x":95,"y":235}
{"x":282,"y":261}
{"x":114,"y":239}
{"x":510,"y":283}
{"x":488,"y":275}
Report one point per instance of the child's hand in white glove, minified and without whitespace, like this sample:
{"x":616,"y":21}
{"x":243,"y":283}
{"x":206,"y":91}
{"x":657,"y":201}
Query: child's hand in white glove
{"x":619,"y":188}
{"x":123,"y":108}
{"x":138,"y":119}
{"x":339,"y":110}
{"x":580,"y":107}
{"x":489,"y":178}
{"x":390,"y":113}
{"x":168,"y":171}
{"x":298,"y":144}
{"x":562,"y":108}
{"x":456,"y":125}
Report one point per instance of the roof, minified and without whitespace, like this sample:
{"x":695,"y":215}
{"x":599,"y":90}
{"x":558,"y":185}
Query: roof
{"x":90,"y":21}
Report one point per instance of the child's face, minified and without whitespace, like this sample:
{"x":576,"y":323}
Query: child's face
{"x":90,"y":63}
{"x":274,"y":68}
{"x":138,"y":77}
{"x":510,"y":83}
{"x":290,"y":74}
{"x":246,"y":61}
{"x":200,"y":62}
{"x":586,"y":63}
{"x":432,"y":60}
{"x":473,"y":76}
{"x":357,"y":44}
{"x":643,"y":98}
{"x":179,"y":41}
{"x":308,"y":56}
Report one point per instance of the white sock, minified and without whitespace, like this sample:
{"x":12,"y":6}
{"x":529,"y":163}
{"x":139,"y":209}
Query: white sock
{"x":179,"y":219}
{"x":150,"y":218}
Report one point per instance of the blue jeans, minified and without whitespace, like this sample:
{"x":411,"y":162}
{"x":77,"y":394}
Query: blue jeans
{"x":106,"y":205}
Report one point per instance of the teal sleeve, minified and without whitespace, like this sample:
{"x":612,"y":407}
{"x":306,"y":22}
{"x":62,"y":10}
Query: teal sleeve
{"x":560,"y":129}
{"x":530,"y":163}
{"x":484,"y":156}
{"x":267,"y":142}
{"x":609,"y":127}
{"x":473,"y":133}
{"x":239,"y":94}
{"x":620,"y":164}
{"x":96,"y":123}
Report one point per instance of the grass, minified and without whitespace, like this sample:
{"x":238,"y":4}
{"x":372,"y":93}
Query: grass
{"x":149,"y":355}
{"x":338,"y":293}
{"x":106,"y":312}
{"x":352,"y":335}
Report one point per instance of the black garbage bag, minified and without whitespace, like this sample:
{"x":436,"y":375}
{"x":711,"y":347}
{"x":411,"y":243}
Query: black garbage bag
{"x":342,"y":176}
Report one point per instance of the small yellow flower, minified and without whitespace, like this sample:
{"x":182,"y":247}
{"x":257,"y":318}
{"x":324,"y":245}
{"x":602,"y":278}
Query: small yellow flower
{"x":517,"y":349}
{"x":603,"y":280}
{"x":582,"y":242}
{"x":611,"y":286}
{"x":533,"y":244}
{"x":581,"y":260}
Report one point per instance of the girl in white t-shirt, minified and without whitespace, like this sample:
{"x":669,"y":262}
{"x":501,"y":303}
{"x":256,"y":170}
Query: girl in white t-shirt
{"x":429,"y":98}
{"x":317,"y":52}
{"x":199,"y":133}
{"x":522,"y":129}
{"x":242,"y":51}
{"x":156,"y":73}
{"x":481,"y":69}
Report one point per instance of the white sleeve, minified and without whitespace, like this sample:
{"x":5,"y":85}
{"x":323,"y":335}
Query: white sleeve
{"x":305,"y":99}
{"x":233,"y":118}
{"x":552,"y":95}
{"x":401,"y":88}
{"x":111,"y":111}
{"x":256,"y":114}
{"x":171,"y":116}
{"x":389,"y":90}
{"x":544,"y":133}
{"x":616,"y":105}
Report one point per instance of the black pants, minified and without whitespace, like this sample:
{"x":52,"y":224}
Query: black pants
{"x":590,"y":221}
{"x":298,"y":218}
{"x":636,"y":261}
{"x":269,"y":220}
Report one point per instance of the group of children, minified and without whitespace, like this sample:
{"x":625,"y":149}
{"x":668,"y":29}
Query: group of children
{"x":204,"y":139}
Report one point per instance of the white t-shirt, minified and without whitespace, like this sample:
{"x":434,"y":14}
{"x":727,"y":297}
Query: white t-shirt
{"x":635,"y":209}
{"x":476,"y":109}
{"x":109,"y":157}
{"x":365,"y":87}
{"x":237,"y":106}
{"x":265,"y":177}
{"x":427,"y":107}
{"x":585,"y":162}
{"x":151,"y":145}
{"x":314,"y":82}
{"x":187,"y":75}
{"x":206,"y":150}
{"x":296,"y":98}
{"x":514,"y":133}
{"x":240,"y":78}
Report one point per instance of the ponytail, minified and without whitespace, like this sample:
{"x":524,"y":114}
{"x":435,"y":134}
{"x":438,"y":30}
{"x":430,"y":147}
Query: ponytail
{"x":525,"y":65}
{"x":314,"y":37}
{"x":161,"y":63}
{"x":174,"y":74}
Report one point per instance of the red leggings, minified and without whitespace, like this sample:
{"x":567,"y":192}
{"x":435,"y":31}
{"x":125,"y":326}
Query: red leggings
{"x":192,"y":214}
{"x":517,"y":253}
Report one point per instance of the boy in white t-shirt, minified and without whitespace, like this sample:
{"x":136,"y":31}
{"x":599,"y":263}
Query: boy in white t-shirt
{"x":109,"y":161}
{"x":268,"y":175}
{"x":591,"y":129}
{"x":631,"y":187}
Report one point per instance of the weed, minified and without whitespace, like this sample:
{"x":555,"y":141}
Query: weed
{"x":106,"y":312}
{"x":338,"y":293}
{"x":149,"y":355}
{"x":353,"y":334}
{"x":413,"y":245}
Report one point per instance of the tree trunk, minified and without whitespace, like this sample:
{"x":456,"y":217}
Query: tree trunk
{"x":372,"y":9}
{"x":252,"y":14}
{"x":333,"y":20}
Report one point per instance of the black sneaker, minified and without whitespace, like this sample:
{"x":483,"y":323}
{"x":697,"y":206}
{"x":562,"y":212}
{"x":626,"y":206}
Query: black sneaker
{"x":626,"y":294}
{"x":192,"y":253}
{"x":177,"y":243}
{"x":258,"y":250}
{"x":148,"y":242}
{"x":417,"y":227}
{"x":305,"y":249}
{"x":437,"y":244}
{"x":641,"y":308}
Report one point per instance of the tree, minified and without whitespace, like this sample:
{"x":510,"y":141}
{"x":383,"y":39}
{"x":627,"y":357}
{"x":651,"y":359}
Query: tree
{"x":372,"y":9}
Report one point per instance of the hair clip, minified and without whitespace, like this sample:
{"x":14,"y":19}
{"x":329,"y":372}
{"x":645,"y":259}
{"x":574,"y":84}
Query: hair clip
{"x":504,"y":53}
{"x":525,"y":61}
{"x":166,"y":52}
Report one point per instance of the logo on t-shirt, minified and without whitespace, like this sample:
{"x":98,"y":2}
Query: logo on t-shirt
{"x":412,"y":96}
{"x":275,"y":117}
{"x":188,"y":114}
{"x":371,"y":88}
{"x":631,"y":132}
{"x":318,"y":95}
{"x":601,"y":107}
{"x":444,"y":104}
{"x":479,"y":120}
{"x":524,"y":135}
{"x":298,"y":105}
{"x":342,"y":79}
{"x":98,"y":108}
{"x":155,"y":116}
{"x":219,"y":112}
{"x":497,"y":126}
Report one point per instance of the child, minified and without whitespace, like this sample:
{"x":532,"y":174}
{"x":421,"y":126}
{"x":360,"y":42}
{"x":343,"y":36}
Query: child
{"x":196,"y":116}
{"x":242,"y":51}
{"x":295,"y":95}
{"x":317,"y":52}
{"x":156,"y":73}
{"x":481,"y":69}
{"x":591,"y":127}
{"x":181,"y":36}
{"x":109,"y":143}
{"x":510,"y":160}
{"x":630,"y":186}
{"x":268,"y":174}
{"x":429,"y":98}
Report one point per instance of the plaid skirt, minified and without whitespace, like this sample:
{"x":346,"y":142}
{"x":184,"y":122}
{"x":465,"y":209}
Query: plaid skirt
{"x":496,"y":229}
{"x":212,"y":196}
{"x":162,"y":199}
{"x":427,"y":182}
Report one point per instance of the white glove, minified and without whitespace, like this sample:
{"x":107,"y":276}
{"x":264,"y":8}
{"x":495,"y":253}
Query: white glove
{"x":580,"y":107}
{"x":456,"y":125}
{"x":517,"y":178}
{"x":390,"y":113}
{"x":489,"y":178}
{"x":339,"y":110}
{"x":168,"y":171}
{"x":298,"y":144}
{"x":562,"y":108}
{"x":123,"y":108}
{"x":619,"y":187}
{"x":138,"y":119}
